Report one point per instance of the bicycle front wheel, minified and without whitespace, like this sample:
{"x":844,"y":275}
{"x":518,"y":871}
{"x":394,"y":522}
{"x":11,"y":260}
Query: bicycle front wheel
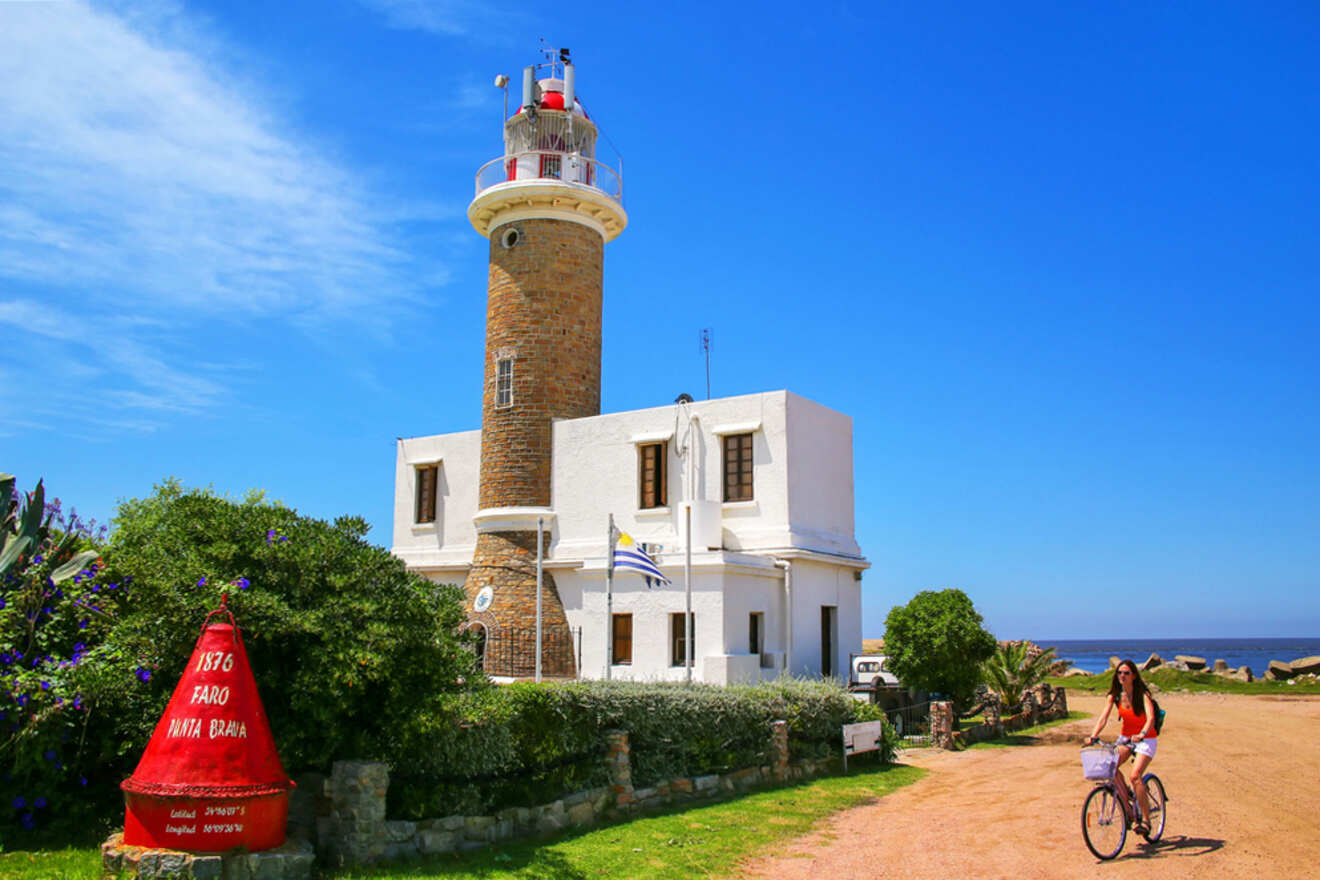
{"x":1156,"y":798}
{"x":1104,"y":822}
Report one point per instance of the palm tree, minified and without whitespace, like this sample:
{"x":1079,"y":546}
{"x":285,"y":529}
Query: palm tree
{"x":1013,"y":670}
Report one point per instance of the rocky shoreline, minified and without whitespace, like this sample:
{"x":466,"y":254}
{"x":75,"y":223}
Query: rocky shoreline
{"x":1303,"y":668}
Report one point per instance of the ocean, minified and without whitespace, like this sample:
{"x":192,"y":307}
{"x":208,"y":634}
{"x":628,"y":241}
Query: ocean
{"x":1093,"y":654}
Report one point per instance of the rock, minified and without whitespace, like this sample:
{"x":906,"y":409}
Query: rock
{"x":1114,"y":661}
{"x":1152,"y":661}
{"x":1305,"y":665}
{"x":1242,"y":673}
{"x":1195,"y":664}
{"x":1278,"y":671}
{"x":1073,"y":672}
{"x":1178,"y":665}
{"x":1221,"y":666}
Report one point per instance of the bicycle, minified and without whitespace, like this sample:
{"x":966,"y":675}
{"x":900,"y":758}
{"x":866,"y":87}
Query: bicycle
{"x":1105,"y":813}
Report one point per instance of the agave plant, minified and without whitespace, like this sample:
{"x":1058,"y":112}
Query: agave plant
{"x":1014,"y":669}
{"x":24,"y":534}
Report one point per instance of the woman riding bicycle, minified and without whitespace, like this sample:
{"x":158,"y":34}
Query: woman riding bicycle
{"x":1136,"y":708}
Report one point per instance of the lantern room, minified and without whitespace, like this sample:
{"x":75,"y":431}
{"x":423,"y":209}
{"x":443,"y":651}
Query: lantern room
{"x":549,"y":146}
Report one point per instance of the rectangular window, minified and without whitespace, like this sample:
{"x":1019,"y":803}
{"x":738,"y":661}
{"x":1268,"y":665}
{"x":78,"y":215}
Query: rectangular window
{"x":622,"y":639}
{"x":737,"y":467}
{"x":678,"y":639}
{"x":504,"y":382}
{"x":652,"y":474}
{"x":550,"y":164}
{"x":755,"y":623}
{"x":426,"y":481}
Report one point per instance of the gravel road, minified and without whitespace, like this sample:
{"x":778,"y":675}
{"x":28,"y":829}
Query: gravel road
{"x":1242,"y":772}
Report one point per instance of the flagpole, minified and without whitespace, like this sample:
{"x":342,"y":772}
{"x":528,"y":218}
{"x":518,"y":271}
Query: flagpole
{"x":540,"y":531}
{"x":609,"y":601}
{"x":687,"y":584}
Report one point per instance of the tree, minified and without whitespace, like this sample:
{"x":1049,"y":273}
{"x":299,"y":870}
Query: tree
{"x":1015,"y":669}
{"x":936,"y":642}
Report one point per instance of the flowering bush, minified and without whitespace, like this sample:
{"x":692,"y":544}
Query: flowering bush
{"x":55,"y":606}
{"x":349,"y":649}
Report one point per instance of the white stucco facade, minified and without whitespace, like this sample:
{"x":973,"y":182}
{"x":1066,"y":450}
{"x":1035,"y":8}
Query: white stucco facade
{"x":789,"y":555}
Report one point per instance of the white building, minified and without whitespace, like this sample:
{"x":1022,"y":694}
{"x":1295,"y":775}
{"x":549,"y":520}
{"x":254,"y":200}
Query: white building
{"x":775,"y":567}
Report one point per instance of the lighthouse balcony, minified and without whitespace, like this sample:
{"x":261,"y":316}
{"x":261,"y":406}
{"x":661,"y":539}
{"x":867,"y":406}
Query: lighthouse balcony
{"x":549,"y":166}
{"x":551,"y":185}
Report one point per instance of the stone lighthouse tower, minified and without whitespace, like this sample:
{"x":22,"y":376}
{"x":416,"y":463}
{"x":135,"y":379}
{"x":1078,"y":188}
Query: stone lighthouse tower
{"x":548,"y":207}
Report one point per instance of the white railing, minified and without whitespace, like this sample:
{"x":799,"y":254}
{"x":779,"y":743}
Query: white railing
{"x":571,"y":168}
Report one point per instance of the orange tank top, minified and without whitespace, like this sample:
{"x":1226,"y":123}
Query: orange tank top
{"x":1133,"y":723}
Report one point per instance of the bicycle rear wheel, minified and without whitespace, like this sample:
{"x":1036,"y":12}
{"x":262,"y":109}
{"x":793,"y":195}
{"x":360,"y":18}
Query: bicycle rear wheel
{"x":1104,"y":822}
{"x":1156,"y":797}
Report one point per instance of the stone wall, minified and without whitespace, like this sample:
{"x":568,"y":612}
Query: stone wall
{"x":1042,"y":703}
{"x":356,"y":831}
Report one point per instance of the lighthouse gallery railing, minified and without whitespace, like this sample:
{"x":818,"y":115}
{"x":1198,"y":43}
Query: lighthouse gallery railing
{"x":572,"y":168}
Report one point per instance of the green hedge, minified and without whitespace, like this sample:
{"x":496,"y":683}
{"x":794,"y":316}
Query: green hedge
{"x":528,"y":744}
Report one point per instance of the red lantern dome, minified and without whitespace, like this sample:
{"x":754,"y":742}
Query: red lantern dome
{"x":210,"y":779}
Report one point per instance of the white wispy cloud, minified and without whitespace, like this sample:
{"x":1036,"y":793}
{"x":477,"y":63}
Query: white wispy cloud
{"x":146,"y":187}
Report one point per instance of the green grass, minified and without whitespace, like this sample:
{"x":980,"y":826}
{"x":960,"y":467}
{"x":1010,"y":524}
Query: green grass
{"x":1027,"y":736}
{"x":1192,"y":682}
{"x":63,"y":864}
{"x":704,"y":841}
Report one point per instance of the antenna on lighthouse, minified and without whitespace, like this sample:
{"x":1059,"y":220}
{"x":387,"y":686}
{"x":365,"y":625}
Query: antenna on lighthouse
{"x":705,"y":348}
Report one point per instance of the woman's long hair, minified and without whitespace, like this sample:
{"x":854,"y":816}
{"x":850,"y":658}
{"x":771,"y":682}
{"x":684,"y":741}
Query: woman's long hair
{"x":1139,"y":689}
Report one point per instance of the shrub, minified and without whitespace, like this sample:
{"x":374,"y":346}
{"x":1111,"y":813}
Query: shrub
{"x":351,"y":652}
{"x":936,"y":642}
{"x":56,"y":605}
{"x":527,"y":744}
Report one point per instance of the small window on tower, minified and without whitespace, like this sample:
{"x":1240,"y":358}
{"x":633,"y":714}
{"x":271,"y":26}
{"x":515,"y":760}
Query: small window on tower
{"x":426,"y":485}
{"x":651,"y":476}
{"x":504,"y":382}
{"x":551,"y":164}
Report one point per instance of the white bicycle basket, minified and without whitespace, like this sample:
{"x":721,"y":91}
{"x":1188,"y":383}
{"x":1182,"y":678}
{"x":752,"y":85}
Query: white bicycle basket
{"x":1099,"y":762}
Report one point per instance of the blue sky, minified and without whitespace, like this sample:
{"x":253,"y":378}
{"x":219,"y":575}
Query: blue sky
{"x":1059,"y":263}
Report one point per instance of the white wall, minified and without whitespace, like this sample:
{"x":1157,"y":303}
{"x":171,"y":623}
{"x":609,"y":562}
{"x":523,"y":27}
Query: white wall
{"x":802,"y":507}
{"x":443,"y":548}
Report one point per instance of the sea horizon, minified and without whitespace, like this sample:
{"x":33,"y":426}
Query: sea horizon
{"x":1093,"y":655}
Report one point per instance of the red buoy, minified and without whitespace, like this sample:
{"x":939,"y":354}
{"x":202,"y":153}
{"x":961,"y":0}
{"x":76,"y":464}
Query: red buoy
{"x":210,"y":779}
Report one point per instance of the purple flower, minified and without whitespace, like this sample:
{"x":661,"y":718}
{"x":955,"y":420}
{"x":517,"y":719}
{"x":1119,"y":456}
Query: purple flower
{"x":2,"y":603}
{"x":36,"y":560}
{"x":270,"y":536}
{"x":39,"y":803}
{"x":50,"y":754}
{"x":19,"y":803}
{"x":202,"y":582}
{"x":241,"y":583}
{"x":143,"y":674}
{"x":26,"y":821}
{"x":77,"y":702}
{"x":82,"y":780}
{"x":45,"y":685}
{"x":22,"y":699}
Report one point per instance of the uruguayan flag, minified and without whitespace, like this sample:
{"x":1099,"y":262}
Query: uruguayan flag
{"x":630,"y":555}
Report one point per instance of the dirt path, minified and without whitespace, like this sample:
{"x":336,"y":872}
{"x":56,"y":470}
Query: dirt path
{"x":1243,"y":775}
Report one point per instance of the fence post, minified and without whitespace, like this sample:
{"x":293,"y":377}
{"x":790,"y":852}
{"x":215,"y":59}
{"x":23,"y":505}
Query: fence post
{"x":779,"y":749}
{"x":941,"y":724}
{"x":619,"y":766}
{"x":1031,"y":707}
{"x":993,"y":718}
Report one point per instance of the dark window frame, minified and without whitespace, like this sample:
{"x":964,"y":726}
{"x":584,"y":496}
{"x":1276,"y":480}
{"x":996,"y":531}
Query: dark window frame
{"x":621,"y":642}
{"x":653,"y":475}
{"x":425,"y":496}
{"x":678,"y":640}
{"x":737,"y":467}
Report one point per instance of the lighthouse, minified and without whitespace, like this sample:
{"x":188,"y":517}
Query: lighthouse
{"x":547,"y":206}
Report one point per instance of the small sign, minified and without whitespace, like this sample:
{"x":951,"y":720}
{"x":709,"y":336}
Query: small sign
{"x":865,"y":736}
{"x":484,"y":597}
